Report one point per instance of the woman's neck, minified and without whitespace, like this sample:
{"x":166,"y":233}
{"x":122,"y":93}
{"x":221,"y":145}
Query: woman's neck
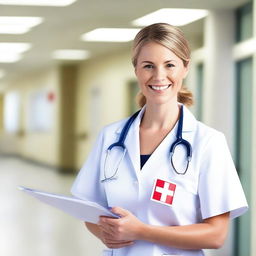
{"x":160,"y":117}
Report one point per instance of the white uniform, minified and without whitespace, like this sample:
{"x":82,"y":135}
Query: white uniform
{"x":210,"y":187}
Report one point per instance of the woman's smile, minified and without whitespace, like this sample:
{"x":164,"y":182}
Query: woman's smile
{"x":159,"y":87}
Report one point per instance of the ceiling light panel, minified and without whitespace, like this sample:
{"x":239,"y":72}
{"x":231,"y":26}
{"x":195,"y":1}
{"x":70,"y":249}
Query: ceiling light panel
{"x":71,"y":54}
{"x":38,"y":2}
{"x":175,"y":17}
{"x":18,"y":25}
{"x":11,"y":52}
{"x":16,"y":48}
{"x":10,"y":58}
{"x":110,"y":35}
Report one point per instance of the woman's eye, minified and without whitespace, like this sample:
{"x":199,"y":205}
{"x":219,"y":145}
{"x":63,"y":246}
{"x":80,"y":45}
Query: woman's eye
{"x":148,"y":66}
{"x":170,"y":65}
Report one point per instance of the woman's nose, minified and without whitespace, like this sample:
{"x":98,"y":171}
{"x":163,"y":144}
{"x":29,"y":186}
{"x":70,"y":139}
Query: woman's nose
{"x":160,"y":74}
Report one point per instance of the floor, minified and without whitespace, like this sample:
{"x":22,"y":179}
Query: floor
{"x":29,"y":227}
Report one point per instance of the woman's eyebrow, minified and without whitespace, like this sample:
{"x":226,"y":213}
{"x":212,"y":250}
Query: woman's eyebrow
{"x":170,"y":61}
{"x":147,"y":61}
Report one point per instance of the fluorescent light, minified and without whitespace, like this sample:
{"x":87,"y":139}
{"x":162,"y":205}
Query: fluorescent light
{"x":2,"y":73}
{"x":13,"y":30}
{"x":14,"y":47}
{"x":11,"y":52}
{"x":110,"y":35}
{"x":9,"y":58}
{"x":71,"y":54}
{"x":18,"y":25}
{"x":175,"y":17}
{"x":38,"y":2}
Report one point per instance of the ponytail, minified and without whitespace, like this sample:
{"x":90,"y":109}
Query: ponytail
{"x":140,"y":99}
{"x":185,"y":97}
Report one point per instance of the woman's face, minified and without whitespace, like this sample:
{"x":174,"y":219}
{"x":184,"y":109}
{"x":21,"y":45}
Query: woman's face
{"x":160,"y":73}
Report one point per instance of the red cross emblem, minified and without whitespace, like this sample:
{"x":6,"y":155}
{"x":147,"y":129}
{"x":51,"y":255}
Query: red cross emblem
{"x":163,"y":192}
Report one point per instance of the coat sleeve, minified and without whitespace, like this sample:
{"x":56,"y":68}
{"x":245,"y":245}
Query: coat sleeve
{"x":219,"y":189}
{"x":87,"y":184}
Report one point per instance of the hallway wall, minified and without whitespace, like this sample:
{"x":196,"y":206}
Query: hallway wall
{"x":25,"y":142}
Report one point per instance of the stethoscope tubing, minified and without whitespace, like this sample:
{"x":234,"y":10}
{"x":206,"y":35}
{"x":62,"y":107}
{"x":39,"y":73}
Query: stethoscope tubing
{"x":121,"y":143}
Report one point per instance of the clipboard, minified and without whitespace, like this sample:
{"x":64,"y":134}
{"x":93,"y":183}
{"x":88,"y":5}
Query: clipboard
{"x":84,"y":210}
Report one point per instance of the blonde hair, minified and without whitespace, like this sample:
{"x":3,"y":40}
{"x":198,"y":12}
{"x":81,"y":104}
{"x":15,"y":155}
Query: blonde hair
{"x":170,"y":37}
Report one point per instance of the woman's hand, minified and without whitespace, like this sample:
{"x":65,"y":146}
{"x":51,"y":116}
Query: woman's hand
{"x":104,"y":237}
{"x":112,"y":243}
{"x":120,"y":232}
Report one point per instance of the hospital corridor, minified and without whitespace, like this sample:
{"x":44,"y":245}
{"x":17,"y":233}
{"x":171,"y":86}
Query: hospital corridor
{"x":66,"y":72}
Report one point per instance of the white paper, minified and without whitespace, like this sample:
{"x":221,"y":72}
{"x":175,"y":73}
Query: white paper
{"x":84,"y":210}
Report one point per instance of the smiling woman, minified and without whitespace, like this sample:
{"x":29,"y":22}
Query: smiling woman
{"x":160,"y":73}
{"x":164,"y":209}
{"x":175,"y":55}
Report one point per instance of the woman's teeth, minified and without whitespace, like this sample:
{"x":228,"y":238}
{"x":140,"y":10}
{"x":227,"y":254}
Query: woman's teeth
{"x":160,"y":88}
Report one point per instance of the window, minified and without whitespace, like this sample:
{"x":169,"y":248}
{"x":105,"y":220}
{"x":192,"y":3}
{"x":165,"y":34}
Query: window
{"x":40,"y":114}
{"x":12,"y":112}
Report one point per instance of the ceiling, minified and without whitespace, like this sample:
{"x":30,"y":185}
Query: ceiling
{"x":63,"y":27}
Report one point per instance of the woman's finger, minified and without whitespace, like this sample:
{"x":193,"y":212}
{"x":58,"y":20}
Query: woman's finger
{"x":108,"y":229}
{"x":118,"y":245}
{"x":113,"y":241}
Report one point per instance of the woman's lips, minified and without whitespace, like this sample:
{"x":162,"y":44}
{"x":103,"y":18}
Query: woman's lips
{"x":159,"y":87}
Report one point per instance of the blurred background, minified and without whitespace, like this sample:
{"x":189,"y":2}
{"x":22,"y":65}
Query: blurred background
{"x":63,"y":76}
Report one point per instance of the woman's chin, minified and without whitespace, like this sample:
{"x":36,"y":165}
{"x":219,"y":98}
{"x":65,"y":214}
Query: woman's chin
{"x":161,"y":101}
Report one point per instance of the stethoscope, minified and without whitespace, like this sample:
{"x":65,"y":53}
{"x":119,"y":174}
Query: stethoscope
{"x":120,"y":143}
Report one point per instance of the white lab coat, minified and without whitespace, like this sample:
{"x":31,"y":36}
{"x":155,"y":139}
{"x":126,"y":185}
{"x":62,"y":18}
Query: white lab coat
{"x":210,"y":187}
